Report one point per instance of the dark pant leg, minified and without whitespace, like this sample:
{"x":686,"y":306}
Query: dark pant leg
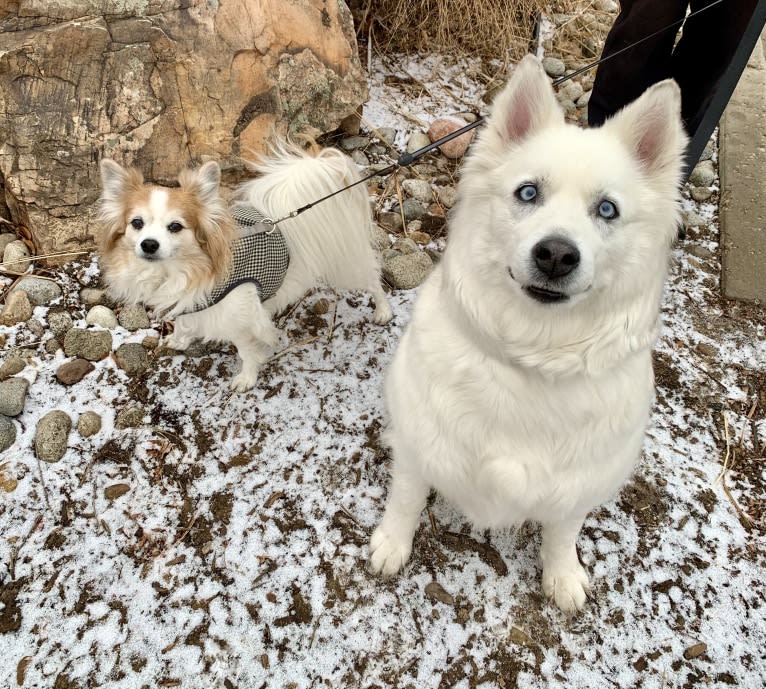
{"x":704,"y":53}
{"x":623,"y":78}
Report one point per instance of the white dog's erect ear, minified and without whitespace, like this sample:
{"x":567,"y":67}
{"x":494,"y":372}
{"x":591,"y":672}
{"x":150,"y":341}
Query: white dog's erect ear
{"x":526,"y":104}
{"x":115,"y":179}
{"x":203,"y":182}
{"x":652,"y":129}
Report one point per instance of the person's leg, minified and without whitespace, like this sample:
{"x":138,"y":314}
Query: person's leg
{"x":623,"y":78}
{"x":708,"y":61}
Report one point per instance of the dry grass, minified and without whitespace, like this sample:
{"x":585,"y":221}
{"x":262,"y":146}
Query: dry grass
{"x":503,"y":28}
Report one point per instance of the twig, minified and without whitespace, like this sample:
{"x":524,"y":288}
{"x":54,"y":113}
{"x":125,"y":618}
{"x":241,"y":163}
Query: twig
{"x":744,"y":518}
{"x":293,"y":346}
{"x":42,"y":481}
{"x":34,"y":257}
{"x":334,"y":315}
{"x":16,"y":549}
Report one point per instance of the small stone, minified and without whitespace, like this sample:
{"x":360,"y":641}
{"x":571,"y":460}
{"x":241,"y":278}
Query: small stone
{"x":390,"y":220}
{"x":116,"y":490}
{"x":88,"y":424}
{"x":606,"y":5}
{"x":699,"y":251}
{"x":7,"y":433}
{"x":321,"y":307}
{"x":405,"y":245}
{"x":421,"y":238}
{"x":554,"y":67}
{"x":407,"y":272}
{"x":131,"y":357}
{"x":571,"y":90}
{"x":433,"y":223}
{"x":351,"y":143}
{"x":388,"y":254}
{"x":569,"y":106}
{"x":133,"y":317}
{"x":447,"y":196}
{"x":418,"y":189}
{"x":414,"y":226}
{"x":360,"y":158}
{"x":16,"y":257}
{"x":707,"y":152}
{"x":40,"y":292}
{"x":17,"y":309}
{"x":51,"y":436}
{"x":583,"y":100}
{"x":73,"y":371}
{"x":92,"y":345}
{"x":703,"y":174}
{"x":52,"y":345}
{"x":412,"y":210}
{"x":380,"y":240}
{"x":387,"y":135}
{"x":443,"y":126}
{"x":35,"y":327}
{"x":150,"y":342}
{"x":91,"y":296}
{"x":101,"y":316}
{"x":695,"y":651}
{"x":692,"y":219}
{"x":5,"y":240}
{"x":12,"y":364}
{"x":417,"y":141}
{"x":59,"y":323}
{"x":519,"y":636}
{"x":130,"y":417}
{"x":707,"y":349}
{"x":435,"y":591}
{"x":700,"y":194}
{"x":13,"y":393}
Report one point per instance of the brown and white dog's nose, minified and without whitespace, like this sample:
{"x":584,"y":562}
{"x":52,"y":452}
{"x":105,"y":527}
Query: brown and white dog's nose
{"x":555,"y":257}
{"x":150,"y":246}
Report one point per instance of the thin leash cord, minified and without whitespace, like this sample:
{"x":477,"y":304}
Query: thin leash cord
{"x":406,"y":159}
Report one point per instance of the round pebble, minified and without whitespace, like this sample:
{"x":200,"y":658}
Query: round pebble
{"x":90,"y":296}
{"x":13,"y":393}
{"x":41,"y":292}
{"x":133,"y":317}
{"x":51,"y":436}
{"x":88,"y":424}
{"x":59,"y":323}
{"x":407,"y":271}
{"x":101,"y":316}
{"x":92,"y":345}
{"x":17,"y":308}
{"x":444,"y":126}
{"x":131,"y":357}
{"x":7,"y":433}
{"x":554,"y":67}
{"x":72,"y":372}
{"x":16,"y":257}
{"x":418,"y":189}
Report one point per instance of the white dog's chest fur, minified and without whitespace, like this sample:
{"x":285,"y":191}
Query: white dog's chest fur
{"x":503,"y":442}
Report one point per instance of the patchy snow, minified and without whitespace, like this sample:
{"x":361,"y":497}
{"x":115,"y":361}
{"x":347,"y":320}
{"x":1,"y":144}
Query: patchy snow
{"x":236,"y":558}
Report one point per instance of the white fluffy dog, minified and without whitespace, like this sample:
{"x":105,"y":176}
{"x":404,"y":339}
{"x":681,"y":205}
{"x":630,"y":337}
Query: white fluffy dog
{"x":180,"y":251}
{"x":528,"y":357}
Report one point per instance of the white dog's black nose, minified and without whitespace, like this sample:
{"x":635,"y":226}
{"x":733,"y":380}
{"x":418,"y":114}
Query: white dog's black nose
{"x":555,"y":257}
{"x":149,"y":246}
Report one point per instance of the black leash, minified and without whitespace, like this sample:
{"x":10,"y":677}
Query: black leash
{"x":407,"y":159}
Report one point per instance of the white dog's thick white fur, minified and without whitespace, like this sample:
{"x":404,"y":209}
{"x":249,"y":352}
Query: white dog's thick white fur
{"x":329,"y":244}
{"x":532,"y":390}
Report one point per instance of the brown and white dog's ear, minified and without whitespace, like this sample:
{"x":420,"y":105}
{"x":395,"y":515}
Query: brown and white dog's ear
{"x":526,"y":105}
{"x":652,"y":130}
{"x":204,"y":182}
{"x":215,"y":229}
{"x":116,"y":182}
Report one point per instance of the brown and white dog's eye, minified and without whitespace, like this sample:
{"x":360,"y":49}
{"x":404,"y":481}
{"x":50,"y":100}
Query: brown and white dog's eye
{"x":175,"y":227}
{"x":137,"y":223}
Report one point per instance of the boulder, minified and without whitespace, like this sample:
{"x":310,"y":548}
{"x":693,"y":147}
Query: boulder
{"x":160,"y":85}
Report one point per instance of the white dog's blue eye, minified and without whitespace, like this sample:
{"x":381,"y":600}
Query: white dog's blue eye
{"x":607,"y":210}
{"x":175,"y":227}
{"x":527,"y":193}
{"x":137,"y":223}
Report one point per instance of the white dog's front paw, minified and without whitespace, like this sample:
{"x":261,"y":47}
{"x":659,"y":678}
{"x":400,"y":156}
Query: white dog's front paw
{"x":173,"y":341}
{"x":568,"y":586}
{"x":388,"y":554}
{"x":243,"y":381}
{"x":383,"y":313}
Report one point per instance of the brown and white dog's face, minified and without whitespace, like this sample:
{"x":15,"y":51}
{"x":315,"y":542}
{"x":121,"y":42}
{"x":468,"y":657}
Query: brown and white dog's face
{"x":153,"y":230}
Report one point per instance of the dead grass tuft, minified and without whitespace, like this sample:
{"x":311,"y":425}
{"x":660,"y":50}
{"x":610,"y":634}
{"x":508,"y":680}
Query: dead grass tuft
{"x":504,"y":28}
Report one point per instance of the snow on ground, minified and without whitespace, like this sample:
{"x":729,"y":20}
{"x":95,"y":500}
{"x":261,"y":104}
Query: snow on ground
{"x":236,"y":557}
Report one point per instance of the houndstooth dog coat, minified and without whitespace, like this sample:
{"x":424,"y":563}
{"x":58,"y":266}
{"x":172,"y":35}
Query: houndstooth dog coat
{"x":259,"y":255}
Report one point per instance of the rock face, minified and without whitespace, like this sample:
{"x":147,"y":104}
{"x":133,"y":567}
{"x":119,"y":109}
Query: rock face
{"x":157,"y":84}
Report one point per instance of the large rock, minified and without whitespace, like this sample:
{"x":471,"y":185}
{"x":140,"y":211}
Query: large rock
{"x":157,"y":84}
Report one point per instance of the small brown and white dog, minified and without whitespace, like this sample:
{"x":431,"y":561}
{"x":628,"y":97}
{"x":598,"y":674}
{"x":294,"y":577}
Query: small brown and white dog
{"x":175,"y":249}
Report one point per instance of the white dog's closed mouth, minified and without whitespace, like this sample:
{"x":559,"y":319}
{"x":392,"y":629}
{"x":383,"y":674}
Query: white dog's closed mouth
{"x":546,"y":296}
